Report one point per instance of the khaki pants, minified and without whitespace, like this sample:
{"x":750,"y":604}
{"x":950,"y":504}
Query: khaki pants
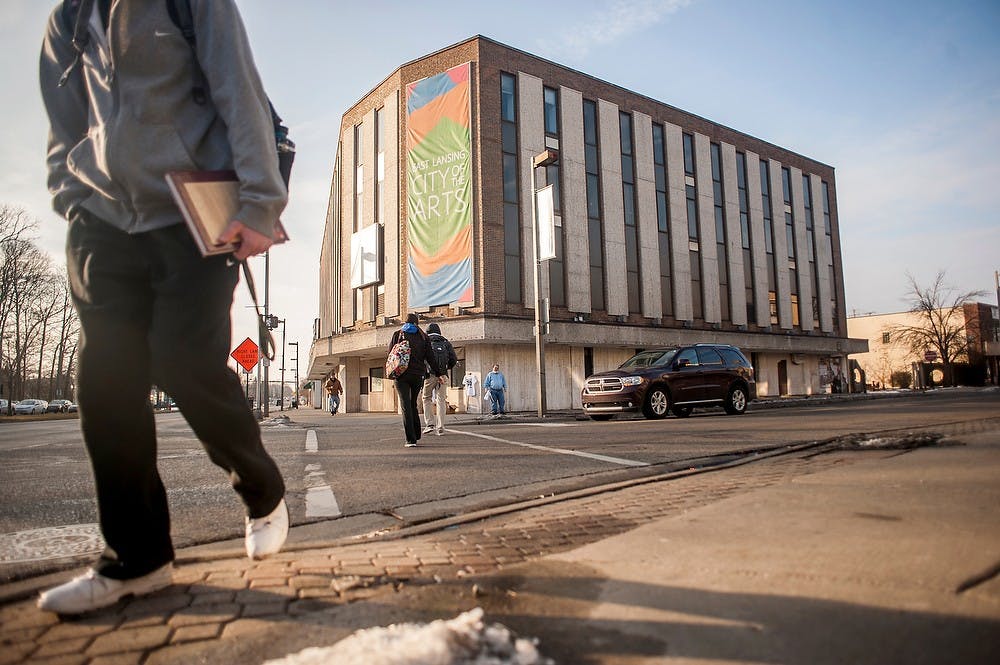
{"x":435,"y":394}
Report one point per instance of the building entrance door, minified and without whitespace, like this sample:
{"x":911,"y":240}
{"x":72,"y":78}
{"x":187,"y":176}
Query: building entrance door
{"x":782,"y":377}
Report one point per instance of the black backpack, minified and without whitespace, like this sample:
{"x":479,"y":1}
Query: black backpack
{"x":180,"y":14}
{"x":442,"y":352}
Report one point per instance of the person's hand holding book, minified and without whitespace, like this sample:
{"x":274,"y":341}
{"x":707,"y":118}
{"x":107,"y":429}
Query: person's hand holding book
{"x":248,"y":242}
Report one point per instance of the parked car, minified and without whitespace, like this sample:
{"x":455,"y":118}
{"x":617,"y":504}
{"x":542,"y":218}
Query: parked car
{"x":674,"y":379}
{"x":59,"y":406}
{"x":30,"y":406}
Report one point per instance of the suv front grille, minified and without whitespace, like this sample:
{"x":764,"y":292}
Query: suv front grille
{"x":608,"y":384}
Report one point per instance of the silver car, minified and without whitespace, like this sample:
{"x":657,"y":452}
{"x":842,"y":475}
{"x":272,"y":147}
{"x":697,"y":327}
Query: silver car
{"x":27,"y":407}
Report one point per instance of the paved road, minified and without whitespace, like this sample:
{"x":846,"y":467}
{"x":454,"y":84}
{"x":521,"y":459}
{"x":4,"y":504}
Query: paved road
{"x":354,"y":467}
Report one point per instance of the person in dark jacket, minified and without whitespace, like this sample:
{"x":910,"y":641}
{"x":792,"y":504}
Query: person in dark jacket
{"x":410,"y":384}
{"x":122,"y":113}
{"x":435,"y":393}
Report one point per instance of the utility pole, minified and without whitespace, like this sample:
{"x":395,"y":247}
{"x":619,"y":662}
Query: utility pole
{"x":266,"y":385}
{"x":540,"y":160}
{"x":296,"y":397}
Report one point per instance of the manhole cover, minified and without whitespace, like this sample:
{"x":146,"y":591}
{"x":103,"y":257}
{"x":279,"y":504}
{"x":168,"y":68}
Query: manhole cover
{"x":54,"y":542}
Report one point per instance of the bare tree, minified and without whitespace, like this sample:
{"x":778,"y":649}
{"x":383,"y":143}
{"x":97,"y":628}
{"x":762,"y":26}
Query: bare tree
{"x":46,"y":310}
{"x":941,"y":324}
{"x":68,"y":335}
{"x":34,"y":310}
{"x":29,"y":311}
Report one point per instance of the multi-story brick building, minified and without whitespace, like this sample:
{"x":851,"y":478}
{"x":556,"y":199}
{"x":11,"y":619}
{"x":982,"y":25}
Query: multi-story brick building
{"x":668,"y":229}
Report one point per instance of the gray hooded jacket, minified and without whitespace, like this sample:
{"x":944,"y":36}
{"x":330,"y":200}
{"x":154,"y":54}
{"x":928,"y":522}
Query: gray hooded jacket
{"x":126,"y":116}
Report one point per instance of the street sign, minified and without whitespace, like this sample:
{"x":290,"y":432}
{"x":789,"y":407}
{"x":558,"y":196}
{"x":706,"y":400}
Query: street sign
{"x":246,"y":354}
{"x":930,"y":356}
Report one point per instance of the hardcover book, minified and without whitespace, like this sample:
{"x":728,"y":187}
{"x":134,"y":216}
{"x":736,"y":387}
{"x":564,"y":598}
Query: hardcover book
{"x":208,"y":201}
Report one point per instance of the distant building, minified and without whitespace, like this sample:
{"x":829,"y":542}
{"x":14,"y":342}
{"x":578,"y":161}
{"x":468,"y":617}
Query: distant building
{"x":668,"y":229}
{"x":888,"y":356}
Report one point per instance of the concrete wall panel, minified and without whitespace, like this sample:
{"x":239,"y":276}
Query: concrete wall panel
{"x":574,"y":212}
{"x":613,"y":210}
{"x":649,"y":241}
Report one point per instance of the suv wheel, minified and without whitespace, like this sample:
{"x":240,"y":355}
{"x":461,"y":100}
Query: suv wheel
{"x":736,"y":401}
{"x":682,"y":411}
{"x":657,"y":403}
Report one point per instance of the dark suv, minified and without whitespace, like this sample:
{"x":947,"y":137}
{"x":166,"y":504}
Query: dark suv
{"x":673,"y":379}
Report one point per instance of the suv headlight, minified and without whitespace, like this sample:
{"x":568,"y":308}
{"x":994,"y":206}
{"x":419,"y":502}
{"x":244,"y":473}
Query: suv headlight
{"x":631,"y":380}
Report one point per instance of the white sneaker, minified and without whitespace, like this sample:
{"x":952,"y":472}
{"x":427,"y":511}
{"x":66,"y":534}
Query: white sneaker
{"x":266,"y":535}
{"x":410,"y":444}
{"x":92,"y":591}
{"x":440,"y":431}
{"x":428,"y":429}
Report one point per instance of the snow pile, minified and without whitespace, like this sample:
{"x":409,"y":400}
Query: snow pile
{"x":904,"y":441}
{"x":464,"y":640}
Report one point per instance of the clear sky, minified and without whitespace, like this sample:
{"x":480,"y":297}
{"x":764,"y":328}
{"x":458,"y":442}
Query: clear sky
{"x":901,"y":98}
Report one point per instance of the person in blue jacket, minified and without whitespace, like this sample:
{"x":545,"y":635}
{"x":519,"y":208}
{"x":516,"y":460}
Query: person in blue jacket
{"x":496,"y":384}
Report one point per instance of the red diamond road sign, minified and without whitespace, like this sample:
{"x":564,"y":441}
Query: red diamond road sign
{"x":246,"y":354}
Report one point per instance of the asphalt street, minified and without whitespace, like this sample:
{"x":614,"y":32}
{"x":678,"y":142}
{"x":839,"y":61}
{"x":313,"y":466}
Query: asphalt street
{"x":350,"y":475}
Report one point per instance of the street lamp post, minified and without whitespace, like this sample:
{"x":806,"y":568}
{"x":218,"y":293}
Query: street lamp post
{"x":282,"y":390}
{"x":273,"y":322}
{"x":263,"y":383}
{"x":540,"y":160}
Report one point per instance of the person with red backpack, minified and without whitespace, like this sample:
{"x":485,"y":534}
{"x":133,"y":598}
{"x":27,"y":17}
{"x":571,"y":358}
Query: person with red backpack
{"x":410,"y":382}
{"x":131,"y":96}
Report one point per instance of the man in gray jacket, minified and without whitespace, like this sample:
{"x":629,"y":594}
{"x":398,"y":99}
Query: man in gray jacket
{"x":123,"y":112}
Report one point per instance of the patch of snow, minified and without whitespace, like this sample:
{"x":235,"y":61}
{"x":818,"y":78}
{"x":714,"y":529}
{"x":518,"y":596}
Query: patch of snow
{"x":464,"y":640}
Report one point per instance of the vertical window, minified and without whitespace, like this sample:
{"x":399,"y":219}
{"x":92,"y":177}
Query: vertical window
{"x":511,"y":207}
{"x":749,"y":275}
{"x":359,"y":201}
{"x":556,"y":266}
{"x":694,"y":248}
{"x":811,"y":246}
{"x":595,"y":225}
{"x":828,"y":228}
{"x":719,"y":199}
{"x":786,"y":190}
{"x":359,"y":177}
{"x":628,"y":199}
{"x":662,"y":218}
{"x":688,"y":155}
{"x":377,"y":304}
{"x":551,"y":111}
{"x":793,"y":273}
{"x":507,"y":98}
{"x":772,"y":270}
{"x":380,"y":165}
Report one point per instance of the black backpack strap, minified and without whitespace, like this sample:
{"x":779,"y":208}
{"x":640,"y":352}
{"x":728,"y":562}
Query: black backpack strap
{"x":180,"y":14}
{"x":76,"y":13}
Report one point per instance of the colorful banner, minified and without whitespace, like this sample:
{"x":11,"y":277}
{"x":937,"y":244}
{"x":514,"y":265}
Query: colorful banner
{"x":439,"y":189}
